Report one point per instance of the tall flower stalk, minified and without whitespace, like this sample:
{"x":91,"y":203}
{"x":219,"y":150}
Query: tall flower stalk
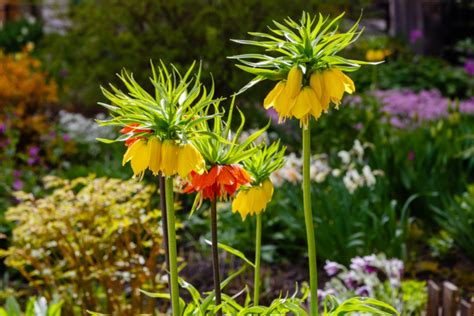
{"x":223,"y":176}
{"x":254,"y":198}
{"x":159,"y":131}
{"x":302,"y":57}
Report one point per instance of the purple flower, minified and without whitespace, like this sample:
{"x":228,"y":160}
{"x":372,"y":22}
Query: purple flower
{"x":411,"y":155}
{"x":33,"y":151}
{"x":362,"y":291}
{"x":66,"y":137}
{"x":322,"y":294}
{"x":359,"y":126}
{"x":469,"y":67}
{"x":415,"y":35}
{"x":32,"y":160}
{"x":52,"y":134}
{"x":271,"y":113}
{"x":3,"y":128}
{"x":408,"y":109}
{"x":332,"y":268}
{"x":350,"y":280}
{"x":357,"y":263}
{"x":16,"y":173}
{"x":17,"y":185}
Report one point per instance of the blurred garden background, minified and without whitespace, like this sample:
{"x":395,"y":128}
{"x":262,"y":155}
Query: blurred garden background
{"x":392,"y":177}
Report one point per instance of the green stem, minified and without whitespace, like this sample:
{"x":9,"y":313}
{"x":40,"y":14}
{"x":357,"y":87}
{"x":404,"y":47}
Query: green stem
{"x":258,"y":251}
{"x":173,"y":256}
{"x":164,"y":219}
{"x":308,"y":217}
{"x":215,"y":256}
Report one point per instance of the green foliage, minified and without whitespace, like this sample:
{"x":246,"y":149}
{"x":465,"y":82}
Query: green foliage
{"x":88,"y":241}
{"x":441,"y":244}
{"x":112,"y":35}
{"x":176,"y":107}
{"x":35,"y":307}
{"x":312,"y":43}
{"x":417,"y":73}
{"x":414,"y":297}
{"x":457,"y":218}
{"x":265,"y":161}
{"x":14,"y":35}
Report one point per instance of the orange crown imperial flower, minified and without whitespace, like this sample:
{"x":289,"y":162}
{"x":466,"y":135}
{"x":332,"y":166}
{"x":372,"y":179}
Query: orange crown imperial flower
{"x":221,"y":181}
{"x":133,"y":129}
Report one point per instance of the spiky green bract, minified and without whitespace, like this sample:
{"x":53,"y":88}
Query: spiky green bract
{"x":313,"y":44}
{"x":265,"y":161}
{"x":173,"y":112}
{"x":225,"y":149}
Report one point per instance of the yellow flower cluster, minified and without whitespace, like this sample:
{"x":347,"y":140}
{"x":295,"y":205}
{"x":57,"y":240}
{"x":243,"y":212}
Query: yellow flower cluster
{"x":254,"y":200}
{"x":377,"y":54}
{"x":291,"y":99}
{"x":167,"y":157}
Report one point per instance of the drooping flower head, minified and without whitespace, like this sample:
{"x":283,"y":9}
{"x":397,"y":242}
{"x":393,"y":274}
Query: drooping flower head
{"x":253,"y":199}
{"x":160,"y":130}
{"x":222,"y":154}
{"x":303,"y":59}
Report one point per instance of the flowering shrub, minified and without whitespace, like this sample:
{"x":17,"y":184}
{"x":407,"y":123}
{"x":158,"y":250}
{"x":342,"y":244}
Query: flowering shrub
{"x":23,"y":83}
{"x":377,"y":277}
{"x":407,"y":108}
{"x":90,"y":240}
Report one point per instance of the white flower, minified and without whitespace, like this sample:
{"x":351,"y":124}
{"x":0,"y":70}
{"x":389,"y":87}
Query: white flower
{"x":349,"y":184}
{"x":344,"y":156}
{"x":369,"y":176}
{"x":336,"y":172}
{"x":358,"y":149}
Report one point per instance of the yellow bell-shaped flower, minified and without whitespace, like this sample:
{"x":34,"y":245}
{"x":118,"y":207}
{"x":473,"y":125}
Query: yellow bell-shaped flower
{"x":273,"y":94}
{"x":169,"y":158}
{"x":316,"y":82}
{"x":141,"y":158}
{"x":294,"y":82}
{"x":334,"y":86}
{"x":155,"y":154}
{"x":189,"y":159}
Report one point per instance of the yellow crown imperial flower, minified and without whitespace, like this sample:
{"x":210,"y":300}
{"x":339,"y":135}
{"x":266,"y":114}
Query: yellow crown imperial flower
{"x":253,"y":200}
{"x":169,"y":158}
{"x":155,"y":155}
{"x":190,"y":159}
{"x":294,"y":82}
{"x":273,"y":94}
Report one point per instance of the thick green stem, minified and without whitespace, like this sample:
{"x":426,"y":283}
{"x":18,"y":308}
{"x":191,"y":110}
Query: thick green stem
{"x":215,"y":256}
{"x":308,"y":217}
{"x":164,"y":219}
{"x":258,"y":251}
{"x":173,"y":256}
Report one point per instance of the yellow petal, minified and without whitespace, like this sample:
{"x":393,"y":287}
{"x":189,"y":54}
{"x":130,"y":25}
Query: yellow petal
{"x":141,"y":158}
{"x":334,"y":86}
{"x":284,"y":104}
{"x":294,"y":81}
{"x":302,"y":107}
{"x":349,"y":86}
{"x":155,"y":154}
{"x":130,"y":151}
{"x":189,"y":159}
{"x":316,"y":108}
{"x":260,"y":201}
{"x":267,"y":186}
{"x":273,"y":94}
{"x":316,"y":82}
{"x":169,"y":158}
{"x":240,"y":204}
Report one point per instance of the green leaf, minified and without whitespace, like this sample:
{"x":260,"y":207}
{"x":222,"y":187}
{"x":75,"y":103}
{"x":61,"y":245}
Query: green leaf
{"x":233,"y":251}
